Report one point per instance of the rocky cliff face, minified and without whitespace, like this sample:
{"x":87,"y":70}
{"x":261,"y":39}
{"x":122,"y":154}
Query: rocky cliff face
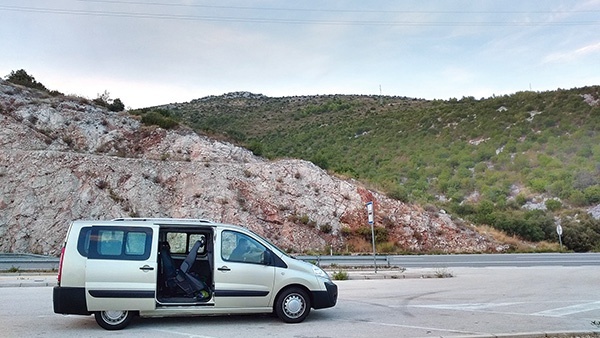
{"x":62,"y":158}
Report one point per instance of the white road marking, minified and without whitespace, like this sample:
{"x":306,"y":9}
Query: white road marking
{"x":569,"y":310}
{"x":190,"y":335}
{"x":466,"y":307}
{"x":432,"y":329}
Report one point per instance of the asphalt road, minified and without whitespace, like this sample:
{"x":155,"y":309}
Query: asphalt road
{"x":475,"y":302}
{"x":504,"y":260}
{"x":470,"y":260}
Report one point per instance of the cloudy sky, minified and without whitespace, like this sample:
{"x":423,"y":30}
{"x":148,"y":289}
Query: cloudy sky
{"x":150,"y":52}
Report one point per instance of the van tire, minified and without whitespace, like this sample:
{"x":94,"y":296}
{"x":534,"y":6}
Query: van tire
{"x":113,"y":319}
{"x":292,"y":305}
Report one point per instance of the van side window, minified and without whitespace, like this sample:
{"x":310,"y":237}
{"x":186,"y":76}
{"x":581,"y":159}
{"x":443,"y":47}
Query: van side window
{"x":110,"y":242}
{"x":238,"y":247}
{"x":120,"y":243}
{"x":182,"y":242}
{"x":135,"y":244}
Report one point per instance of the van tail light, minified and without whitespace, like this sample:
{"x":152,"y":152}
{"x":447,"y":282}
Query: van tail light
{"x":60,"y":264}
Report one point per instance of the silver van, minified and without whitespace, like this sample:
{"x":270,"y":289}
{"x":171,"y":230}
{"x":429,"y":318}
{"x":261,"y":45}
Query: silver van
{"x":155,"y":267}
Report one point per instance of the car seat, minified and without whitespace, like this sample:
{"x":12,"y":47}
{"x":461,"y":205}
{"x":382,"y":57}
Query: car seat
{"x":182,"y":278}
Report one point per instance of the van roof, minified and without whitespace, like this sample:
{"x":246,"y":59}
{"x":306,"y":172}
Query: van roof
{"x":141,"y":219}
{"x":183,"y":222}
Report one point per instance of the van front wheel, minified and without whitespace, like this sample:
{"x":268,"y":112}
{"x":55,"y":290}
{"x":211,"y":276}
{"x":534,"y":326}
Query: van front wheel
{"x":113,"y":319}
{"x":293,"y":305}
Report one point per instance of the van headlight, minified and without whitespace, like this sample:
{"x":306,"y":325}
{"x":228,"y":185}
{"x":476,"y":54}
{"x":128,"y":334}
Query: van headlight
{"x":320,"y":272}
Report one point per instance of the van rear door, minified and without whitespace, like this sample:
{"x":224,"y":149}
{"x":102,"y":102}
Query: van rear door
{"x":121,"y":268}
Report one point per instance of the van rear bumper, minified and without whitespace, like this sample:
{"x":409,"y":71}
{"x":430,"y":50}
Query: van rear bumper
{"x":325,"y":299}
{"x":69,"y":301}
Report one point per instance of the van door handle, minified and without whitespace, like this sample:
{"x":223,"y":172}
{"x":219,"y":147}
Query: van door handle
{"x":224,"y":268}
{"x":146,"y":268}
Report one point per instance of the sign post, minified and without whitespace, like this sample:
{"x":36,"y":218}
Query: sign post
{"x":559,"y":232}
{"x":372,"y":222}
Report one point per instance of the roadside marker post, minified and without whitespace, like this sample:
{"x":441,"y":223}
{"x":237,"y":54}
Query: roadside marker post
{"x":371,"y":219}
{"x":559,"y":232}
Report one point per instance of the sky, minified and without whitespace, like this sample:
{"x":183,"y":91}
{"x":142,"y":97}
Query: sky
{"x":153,"y":52}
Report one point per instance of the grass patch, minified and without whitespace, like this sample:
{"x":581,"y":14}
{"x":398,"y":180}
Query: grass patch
{"x":13,"y":269}
{"x":443,"y":273}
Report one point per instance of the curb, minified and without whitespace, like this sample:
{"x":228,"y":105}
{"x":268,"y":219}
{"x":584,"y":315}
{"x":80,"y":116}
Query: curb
{"x":360,"y":274}
{"x":27,"y":279}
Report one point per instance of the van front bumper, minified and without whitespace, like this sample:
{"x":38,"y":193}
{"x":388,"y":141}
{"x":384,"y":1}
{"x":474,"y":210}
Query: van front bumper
{"x":325,"y":299}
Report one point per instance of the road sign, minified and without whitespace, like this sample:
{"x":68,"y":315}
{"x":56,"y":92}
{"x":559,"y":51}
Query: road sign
{"x":370,"y":212}
{"x":371,"y":222}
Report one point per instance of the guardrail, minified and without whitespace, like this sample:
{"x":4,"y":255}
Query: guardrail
{"x":346,"y":260}
{"x":22,"y":262}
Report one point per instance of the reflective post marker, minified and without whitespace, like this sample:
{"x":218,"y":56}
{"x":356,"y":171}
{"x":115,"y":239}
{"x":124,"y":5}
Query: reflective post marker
{"x":559,"y":232}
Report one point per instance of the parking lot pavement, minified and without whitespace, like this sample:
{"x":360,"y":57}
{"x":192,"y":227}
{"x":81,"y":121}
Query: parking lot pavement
{"x":475,"y":302}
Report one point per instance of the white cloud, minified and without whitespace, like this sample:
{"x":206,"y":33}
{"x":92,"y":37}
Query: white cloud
{"x":572,"y":55}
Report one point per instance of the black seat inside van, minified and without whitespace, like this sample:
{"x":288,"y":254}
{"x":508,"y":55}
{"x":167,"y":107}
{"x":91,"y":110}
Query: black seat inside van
{"x":181,"y":281}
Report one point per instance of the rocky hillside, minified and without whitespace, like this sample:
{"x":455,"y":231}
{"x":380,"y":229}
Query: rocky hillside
{"x":522,"y":163}
{"x":63,"y":158}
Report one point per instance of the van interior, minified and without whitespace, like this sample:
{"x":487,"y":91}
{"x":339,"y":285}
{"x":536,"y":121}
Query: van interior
{"x":185,"y":267}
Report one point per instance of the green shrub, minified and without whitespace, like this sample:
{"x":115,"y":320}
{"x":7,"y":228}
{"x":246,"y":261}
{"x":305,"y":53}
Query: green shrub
{"x":13,"y":269}
{"x":398,"y":193}
{"x":592,"y":194}
{"x":116,"y":105}
{"x":21,"y":77}
{"x":339,"y":275}
{"x":553,"y":205}
{"x":157,"y":119}
{"x":325,"y":228}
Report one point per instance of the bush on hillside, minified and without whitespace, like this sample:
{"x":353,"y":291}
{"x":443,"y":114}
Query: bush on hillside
{"x":157,"y":119}
{"x":21,"y":77}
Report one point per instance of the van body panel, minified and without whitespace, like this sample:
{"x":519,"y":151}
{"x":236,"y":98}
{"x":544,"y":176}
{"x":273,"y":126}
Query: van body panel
{"x":122,"y":276}
{"x":201,"y":311}
{"x":243,"y":285}
{"x":73,"y":263}
{"x":298,"y":273}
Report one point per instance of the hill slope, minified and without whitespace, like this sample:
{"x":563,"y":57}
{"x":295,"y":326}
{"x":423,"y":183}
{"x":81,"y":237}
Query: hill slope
{"x":64,"y":158}
{"x":521,"y":163}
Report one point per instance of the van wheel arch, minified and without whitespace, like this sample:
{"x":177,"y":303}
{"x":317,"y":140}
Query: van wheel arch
{"x":114,"y":319}
{"x":293,"y":304}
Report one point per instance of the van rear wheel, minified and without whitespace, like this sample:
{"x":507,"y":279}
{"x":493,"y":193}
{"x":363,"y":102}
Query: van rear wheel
{"x":292,"y":305}
{"x":113,"y":319}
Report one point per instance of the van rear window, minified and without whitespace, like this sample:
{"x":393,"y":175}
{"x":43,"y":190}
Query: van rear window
{"x":124,"y":243}
{"x":83,"y":242}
